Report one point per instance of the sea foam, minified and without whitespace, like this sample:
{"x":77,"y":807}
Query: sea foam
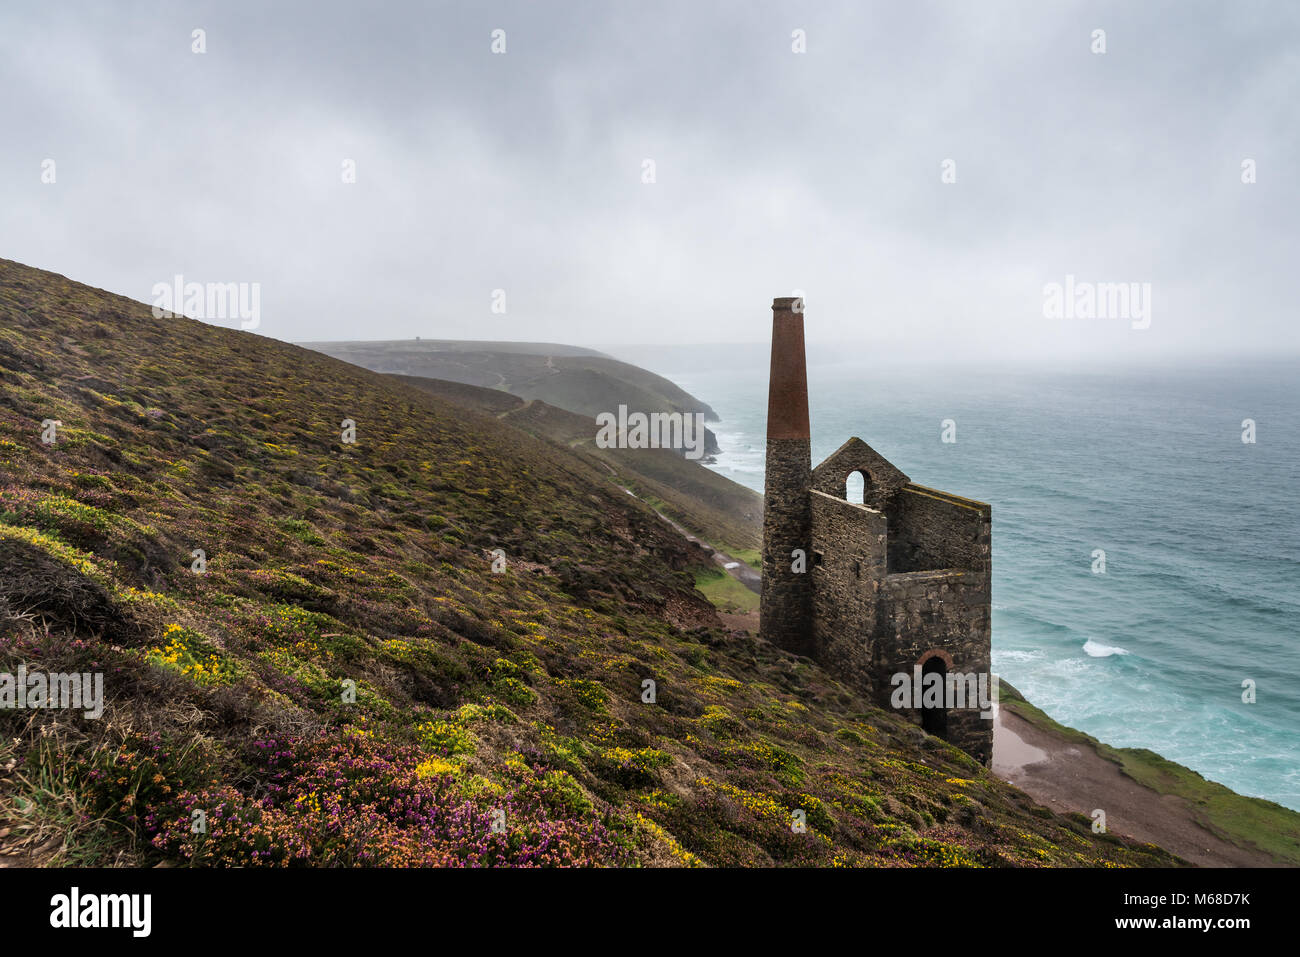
{"x":1096,"y":649}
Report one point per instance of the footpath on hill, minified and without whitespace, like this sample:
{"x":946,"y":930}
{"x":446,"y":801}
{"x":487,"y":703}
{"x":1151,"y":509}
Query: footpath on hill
{"x":747,"y":575}
{"x":1066,"y":775}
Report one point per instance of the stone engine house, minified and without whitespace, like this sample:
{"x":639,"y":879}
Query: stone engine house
{"x":900,"y":583}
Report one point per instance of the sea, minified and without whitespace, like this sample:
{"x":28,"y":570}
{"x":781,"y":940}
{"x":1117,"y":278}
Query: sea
{"x":1185,"y":640}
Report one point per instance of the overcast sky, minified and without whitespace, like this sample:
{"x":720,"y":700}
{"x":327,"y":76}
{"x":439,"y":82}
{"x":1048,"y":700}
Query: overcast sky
{"x":775,"y":171}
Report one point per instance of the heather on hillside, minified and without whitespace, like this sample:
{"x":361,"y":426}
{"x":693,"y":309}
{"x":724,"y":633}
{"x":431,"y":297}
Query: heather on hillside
{"x":309,"y":658}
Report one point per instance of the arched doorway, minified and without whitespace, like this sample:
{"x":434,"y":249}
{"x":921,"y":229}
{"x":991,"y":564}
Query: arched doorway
{"x":934,"y":720}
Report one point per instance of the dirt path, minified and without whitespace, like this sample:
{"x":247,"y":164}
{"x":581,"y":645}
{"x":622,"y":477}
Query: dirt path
{"x":509,"y":412}
{"x":747,"y":575}
{"x":1066,"y":775}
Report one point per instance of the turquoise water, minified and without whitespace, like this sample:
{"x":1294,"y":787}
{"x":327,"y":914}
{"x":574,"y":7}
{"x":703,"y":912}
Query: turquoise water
{"x":1200,"y":531}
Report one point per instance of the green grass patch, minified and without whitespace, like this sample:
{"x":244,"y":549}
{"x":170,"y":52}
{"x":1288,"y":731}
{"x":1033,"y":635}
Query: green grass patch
{"x":724,"y":592}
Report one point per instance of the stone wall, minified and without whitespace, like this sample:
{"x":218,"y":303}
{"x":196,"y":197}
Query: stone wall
{"x":882,"y":478}
{"x":946,"y":611}
{"x":867,"y":624}
{"x":930,"y":529}
{"x":848,"y":567}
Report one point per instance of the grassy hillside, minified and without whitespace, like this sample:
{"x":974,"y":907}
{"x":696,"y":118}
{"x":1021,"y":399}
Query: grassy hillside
{"x":718,"y":510}
{"x":580,"y":381}
{"x":498,"y":718}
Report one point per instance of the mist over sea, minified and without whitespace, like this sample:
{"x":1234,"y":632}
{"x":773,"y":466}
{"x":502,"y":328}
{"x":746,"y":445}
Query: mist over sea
{"x":1200,"y":531}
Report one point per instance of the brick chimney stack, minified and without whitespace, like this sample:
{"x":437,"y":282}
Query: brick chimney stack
{"x":785,"y":607}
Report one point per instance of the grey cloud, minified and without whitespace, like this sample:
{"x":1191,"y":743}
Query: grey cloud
{"x":776,"y":171}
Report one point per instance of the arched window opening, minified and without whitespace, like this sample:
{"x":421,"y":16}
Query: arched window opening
{"x":855,"y":488}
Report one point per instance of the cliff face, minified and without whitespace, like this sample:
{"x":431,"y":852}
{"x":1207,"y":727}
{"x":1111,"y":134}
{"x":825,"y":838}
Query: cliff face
{"x":449,"y":641}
